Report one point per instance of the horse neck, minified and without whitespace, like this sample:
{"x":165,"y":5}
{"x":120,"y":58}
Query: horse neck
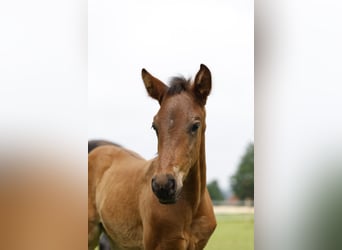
{"x":202,"y":167}
{"x":196,"y":180}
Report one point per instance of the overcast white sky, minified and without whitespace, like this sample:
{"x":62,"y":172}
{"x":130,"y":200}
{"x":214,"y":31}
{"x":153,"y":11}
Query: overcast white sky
{"x":169,"y":38}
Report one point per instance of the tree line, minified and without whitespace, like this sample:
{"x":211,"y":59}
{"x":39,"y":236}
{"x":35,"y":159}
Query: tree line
{"x":242,"y":182}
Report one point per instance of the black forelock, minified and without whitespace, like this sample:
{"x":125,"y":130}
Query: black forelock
{"x":178,"y":84}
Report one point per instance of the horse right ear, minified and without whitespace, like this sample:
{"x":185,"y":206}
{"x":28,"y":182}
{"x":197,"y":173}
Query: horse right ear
{"x":155,"y":88}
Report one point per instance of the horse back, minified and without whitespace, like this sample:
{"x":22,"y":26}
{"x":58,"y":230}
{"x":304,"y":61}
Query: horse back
{"x":92,"y":144}
{"x":111,"y":163}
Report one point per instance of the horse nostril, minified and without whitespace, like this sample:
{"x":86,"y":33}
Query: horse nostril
{"x":171,"y":183}
{"x":154,"y":184}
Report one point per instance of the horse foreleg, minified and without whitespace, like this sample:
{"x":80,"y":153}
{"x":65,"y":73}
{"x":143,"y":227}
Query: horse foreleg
{"x":202,"y":228}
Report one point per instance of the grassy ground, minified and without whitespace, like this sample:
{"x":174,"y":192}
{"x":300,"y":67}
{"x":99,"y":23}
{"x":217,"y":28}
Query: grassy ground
{"x":233,"y":232}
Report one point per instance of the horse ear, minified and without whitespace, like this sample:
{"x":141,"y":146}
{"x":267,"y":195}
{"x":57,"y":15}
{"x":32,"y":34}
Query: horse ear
{"x":202,"y":84}
{"x":155,"y":88}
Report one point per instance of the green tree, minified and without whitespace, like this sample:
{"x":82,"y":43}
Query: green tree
{"x":215,"y":191}
{"x":242,"y":182}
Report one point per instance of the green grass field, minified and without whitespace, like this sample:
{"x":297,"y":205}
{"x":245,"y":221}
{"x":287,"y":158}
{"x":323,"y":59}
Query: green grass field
{"x":233,"y":232}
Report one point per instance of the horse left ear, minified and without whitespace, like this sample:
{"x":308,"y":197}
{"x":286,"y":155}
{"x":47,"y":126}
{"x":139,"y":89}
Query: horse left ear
{"x":202,"y":84}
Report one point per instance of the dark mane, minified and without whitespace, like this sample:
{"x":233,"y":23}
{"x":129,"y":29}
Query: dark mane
{"x":178,"y":84}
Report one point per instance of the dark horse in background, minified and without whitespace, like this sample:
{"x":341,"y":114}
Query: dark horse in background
{"x":162,"y":203}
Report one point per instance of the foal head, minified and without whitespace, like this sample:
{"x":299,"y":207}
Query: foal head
{"x":180,"y":126}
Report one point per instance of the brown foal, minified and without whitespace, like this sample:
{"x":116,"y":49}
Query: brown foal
{"x":162,"y":203}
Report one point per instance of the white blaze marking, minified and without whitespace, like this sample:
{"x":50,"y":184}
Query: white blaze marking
{"x":179,"y":177}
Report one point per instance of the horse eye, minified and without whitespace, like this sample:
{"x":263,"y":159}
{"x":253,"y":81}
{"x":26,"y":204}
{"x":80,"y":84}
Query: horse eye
{"x":195,"y":127}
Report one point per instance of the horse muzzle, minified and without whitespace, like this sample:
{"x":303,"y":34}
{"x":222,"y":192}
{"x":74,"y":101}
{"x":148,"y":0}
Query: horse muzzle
{"x":164,"y":186}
